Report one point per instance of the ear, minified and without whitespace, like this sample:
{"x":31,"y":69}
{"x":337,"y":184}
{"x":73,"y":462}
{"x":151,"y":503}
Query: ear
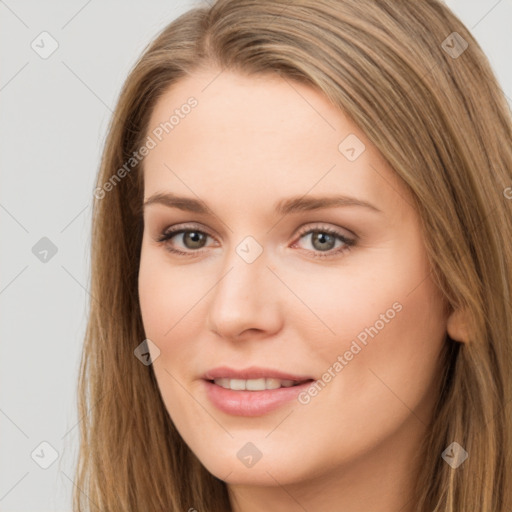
{"x":458,"y":326}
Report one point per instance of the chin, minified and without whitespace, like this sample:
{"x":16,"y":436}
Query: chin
{"x":233,"y":465}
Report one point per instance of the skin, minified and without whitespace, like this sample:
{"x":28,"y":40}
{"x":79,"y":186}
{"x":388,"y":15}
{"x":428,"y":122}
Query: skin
{"x":249,"y":143}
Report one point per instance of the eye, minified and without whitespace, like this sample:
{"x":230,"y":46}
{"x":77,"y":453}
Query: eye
{"x":191,"y":238}
{"x":323,"y":240}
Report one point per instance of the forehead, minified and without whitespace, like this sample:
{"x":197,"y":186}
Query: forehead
{"x":249,"y":138}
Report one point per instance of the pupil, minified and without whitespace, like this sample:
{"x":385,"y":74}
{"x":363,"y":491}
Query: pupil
{"x":323,"y":238}
{"x":195,"y":238}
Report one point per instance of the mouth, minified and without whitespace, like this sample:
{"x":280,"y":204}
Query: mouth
{"x":260,"y":384}
{"x":252,"y":392}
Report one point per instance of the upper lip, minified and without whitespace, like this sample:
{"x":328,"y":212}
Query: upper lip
{"x":253,"y":372}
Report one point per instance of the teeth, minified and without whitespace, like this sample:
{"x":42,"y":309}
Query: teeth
{"x":253,"y":384}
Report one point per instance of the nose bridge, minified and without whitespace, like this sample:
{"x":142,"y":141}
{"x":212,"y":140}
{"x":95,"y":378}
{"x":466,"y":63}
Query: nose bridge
{"x":241,"y":299}
{"x":243,"y":272}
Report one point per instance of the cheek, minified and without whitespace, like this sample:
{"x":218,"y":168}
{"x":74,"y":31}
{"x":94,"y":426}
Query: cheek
{"x":386,"y":301}
{"x":383,"y":302}
{"x":172,"y":302}
{"x":166,"y":294}
{"x":385,"y":319}
{"x":390,"y":331}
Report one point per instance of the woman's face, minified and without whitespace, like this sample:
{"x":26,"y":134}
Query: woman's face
{"x":301,"y":260}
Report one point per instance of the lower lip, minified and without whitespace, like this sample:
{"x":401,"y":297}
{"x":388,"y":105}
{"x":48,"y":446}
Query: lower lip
{"x":251,"y":403}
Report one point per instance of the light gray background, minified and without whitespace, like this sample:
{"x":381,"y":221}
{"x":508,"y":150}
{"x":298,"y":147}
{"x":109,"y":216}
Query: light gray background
{"x":53,"y":123}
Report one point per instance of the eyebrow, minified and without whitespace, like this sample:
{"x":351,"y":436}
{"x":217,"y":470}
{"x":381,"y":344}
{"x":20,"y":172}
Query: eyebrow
{"x":282,"y":207}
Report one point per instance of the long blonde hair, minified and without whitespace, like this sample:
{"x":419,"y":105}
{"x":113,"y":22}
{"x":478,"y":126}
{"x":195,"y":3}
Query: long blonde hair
{"x":434,"y":109}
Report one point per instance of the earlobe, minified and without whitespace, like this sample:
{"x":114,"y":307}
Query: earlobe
{"x":458,"y":325}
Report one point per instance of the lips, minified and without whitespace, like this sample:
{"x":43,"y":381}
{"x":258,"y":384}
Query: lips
{"x":252,"y":391}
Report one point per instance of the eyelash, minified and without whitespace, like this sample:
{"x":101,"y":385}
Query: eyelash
{"x":167,"y":234}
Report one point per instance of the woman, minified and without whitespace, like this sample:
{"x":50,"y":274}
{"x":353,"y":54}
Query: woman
{"x":302,"y":268}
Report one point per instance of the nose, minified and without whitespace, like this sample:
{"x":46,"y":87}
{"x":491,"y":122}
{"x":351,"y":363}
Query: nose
{"x":246,"y":301}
